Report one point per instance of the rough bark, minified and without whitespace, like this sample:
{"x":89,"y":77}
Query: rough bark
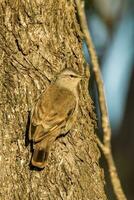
{"x":37,"y":40}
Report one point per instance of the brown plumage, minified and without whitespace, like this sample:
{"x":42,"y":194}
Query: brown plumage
{"x":54,"y":114}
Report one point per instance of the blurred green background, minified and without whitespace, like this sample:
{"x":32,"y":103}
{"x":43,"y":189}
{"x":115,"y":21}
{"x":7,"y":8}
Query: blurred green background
{"x":111,"y":23}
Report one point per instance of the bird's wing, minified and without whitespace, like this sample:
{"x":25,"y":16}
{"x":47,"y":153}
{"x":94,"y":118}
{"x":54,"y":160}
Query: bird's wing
{"x":52,"y":110}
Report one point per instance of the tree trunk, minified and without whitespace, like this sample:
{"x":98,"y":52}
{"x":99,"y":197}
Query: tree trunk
{"x":37,"y":40}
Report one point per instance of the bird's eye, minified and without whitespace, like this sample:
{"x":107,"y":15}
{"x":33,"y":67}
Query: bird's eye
{"x":71,"y":76}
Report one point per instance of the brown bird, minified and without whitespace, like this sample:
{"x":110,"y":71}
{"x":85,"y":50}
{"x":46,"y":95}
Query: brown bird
{"x":54,"y":114}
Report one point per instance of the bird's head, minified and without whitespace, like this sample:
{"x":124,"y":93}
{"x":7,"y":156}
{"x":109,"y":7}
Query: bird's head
{"x":69,"y":78}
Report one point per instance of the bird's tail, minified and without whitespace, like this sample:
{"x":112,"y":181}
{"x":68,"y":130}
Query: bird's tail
{"x":42,"y":148}
{"x":39,"y":158}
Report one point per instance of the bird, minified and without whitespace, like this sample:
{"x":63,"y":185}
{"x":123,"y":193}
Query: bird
{"x":53,"y":114}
